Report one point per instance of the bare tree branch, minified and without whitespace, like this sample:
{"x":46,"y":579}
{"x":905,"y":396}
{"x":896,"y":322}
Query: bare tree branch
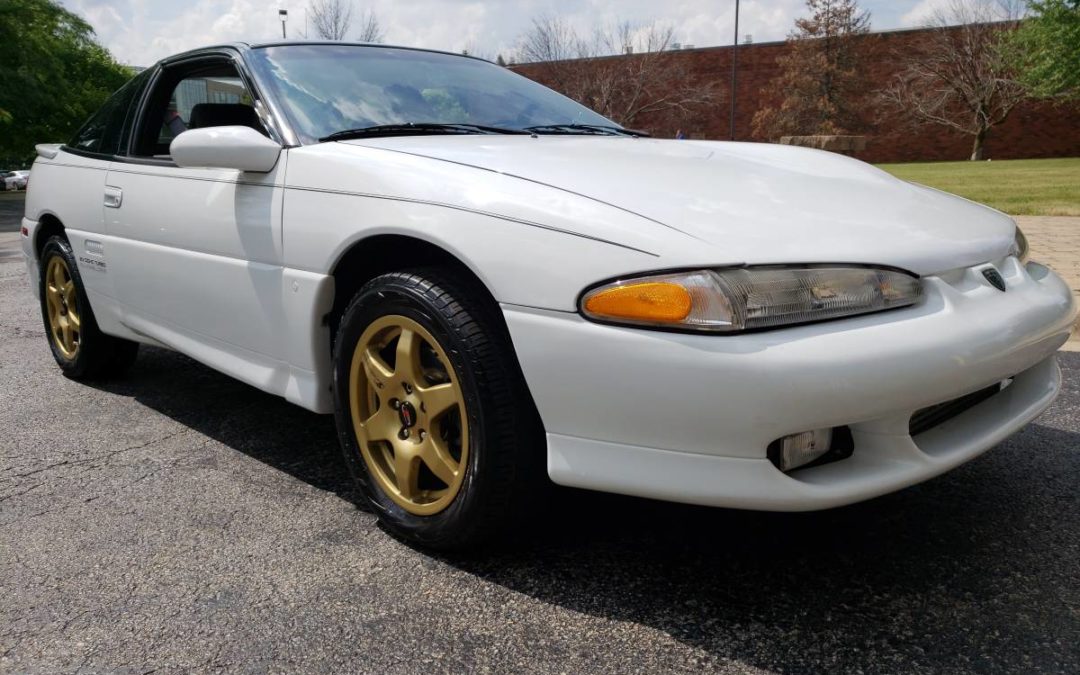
{"x":649,"y":84}
{"x":957,"y":78}
{"x":370,"y":28}
{"x":330,"y":18}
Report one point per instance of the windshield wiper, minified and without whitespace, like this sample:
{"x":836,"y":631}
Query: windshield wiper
{"x":585,"y":129}
{"x":417,"y":129}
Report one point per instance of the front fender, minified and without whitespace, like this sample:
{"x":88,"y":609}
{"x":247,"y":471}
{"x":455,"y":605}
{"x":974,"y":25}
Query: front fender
{"x":529,"y":244}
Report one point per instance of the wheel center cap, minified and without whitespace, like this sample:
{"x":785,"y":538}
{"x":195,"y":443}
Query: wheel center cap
{"x":407,"y":414}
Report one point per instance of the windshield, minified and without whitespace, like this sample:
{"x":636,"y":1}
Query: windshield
{"x":330,"y":88}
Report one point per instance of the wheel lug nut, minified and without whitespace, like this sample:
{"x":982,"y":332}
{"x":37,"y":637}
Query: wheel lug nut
{"x":423,"y":434}
{"x":395,"y":404}
{"x":407,"y":386}
{"x":403,"y":434}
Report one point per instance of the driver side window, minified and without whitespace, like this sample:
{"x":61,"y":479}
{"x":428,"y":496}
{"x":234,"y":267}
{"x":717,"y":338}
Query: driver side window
{"x":209,"y":96}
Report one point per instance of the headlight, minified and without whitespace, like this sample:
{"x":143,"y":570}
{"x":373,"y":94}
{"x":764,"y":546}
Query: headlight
{"x":1020,"y":246}
{"x":750,"y":298}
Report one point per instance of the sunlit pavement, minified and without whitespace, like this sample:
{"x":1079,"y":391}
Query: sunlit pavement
{"x":1055,"y":242}
{"x":179,"y":520}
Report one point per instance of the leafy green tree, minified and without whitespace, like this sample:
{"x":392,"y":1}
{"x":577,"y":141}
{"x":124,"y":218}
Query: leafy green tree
{"x":1046,"y":49}
{"x":55,"y":75}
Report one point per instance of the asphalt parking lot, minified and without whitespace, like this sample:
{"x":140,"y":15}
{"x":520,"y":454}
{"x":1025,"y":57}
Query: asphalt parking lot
{"x":177,"y":520}
{"x":11,"y":210}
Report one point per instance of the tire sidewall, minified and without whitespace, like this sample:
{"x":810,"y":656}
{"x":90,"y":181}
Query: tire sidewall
{"x":371,"y":303}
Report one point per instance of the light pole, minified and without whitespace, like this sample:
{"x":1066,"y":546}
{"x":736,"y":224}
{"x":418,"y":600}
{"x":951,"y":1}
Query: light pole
{"x":734,"y":70}
{"x":283,"y":14}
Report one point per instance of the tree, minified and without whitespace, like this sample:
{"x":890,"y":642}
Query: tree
{"x":331,"y":18}
{"x":649,"y":83}
{"x":820,"y":86}
{"x":370,"y":28}
{"x":1046,"y":49}
{"x":55,"y":75}
{"x":958,"y":77}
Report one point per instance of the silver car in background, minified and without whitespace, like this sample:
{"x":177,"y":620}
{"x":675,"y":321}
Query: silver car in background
{"x":16,"y":180}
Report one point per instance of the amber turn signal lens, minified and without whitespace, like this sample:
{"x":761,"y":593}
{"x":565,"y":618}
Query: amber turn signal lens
{"x":649,"y":301}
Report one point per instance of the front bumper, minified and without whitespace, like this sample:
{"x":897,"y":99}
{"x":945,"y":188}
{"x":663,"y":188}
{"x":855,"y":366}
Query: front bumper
{"x":689,"y":417}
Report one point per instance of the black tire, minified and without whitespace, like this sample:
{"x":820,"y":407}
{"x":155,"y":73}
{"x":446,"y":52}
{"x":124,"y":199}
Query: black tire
{"x":98,"y":355}
{"x":505,"y":464}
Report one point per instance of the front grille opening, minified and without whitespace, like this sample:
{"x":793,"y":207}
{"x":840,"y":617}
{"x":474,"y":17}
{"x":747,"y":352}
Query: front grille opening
{"x":932,"y":416}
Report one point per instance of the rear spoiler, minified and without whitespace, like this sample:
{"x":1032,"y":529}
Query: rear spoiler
{"x":47,"y":150}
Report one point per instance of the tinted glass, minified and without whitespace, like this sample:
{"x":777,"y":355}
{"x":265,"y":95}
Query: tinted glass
{"x":105,"y":131}
{"x":328,"y":88}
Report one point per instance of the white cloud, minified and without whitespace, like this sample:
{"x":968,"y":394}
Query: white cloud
{"x":921,"y":13}
{"x":140,"y":32}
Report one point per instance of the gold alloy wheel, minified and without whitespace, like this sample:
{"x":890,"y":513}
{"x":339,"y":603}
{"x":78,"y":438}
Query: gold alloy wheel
{"x":409,"y":415}
{"x":63,"y":308}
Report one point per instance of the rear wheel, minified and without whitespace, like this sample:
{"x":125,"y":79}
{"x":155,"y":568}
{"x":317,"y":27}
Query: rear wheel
{"x":78,"y":345}
{"x":434,"y":418}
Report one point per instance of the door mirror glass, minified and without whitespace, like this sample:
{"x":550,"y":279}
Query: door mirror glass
{"x":225,"y":147}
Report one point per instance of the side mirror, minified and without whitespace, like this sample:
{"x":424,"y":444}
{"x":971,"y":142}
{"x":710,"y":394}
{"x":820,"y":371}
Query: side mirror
{"x":236,"y":147}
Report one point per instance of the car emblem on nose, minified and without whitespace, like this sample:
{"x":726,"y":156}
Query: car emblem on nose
{"x":995,"y":278}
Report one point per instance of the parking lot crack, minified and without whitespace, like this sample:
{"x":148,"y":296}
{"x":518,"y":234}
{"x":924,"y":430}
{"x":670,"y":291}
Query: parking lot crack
{"x":44,"y":468}
{"x":33,"y":487}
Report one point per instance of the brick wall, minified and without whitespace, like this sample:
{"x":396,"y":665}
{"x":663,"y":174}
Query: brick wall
{"x":1034,"y":129}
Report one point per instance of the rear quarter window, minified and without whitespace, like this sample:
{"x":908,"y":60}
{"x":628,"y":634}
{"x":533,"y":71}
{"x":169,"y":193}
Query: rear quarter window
{"x":104,"y":133}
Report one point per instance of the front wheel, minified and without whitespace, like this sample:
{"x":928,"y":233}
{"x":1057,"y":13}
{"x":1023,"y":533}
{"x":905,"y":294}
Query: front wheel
{"x":435,"y":421}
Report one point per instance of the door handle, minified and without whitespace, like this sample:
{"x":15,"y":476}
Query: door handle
{"x":113,"y":197}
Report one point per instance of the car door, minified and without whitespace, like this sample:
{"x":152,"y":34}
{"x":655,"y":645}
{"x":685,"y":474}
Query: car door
{"x":196,"y":253}
{"x":81,"y":169}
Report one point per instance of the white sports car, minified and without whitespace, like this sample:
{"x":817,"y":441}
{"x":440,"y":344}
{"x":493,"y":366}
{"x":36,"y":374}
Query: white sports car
{"x":483,"y":279}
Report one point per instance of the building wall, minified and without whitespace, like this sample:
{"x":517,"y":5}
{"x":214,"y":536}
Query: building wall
{"x":1034,"y":129}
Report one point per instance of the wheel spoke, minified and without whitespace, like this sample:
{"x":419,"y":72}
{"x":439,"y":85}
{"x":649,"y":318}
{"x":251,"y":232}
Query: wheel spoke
{"x":52,"y":297}
{"x":58,"y":275}
{"x":439,"y":461}
{"x":68,"y":336}
{"x":439,"y":398}
{"x":74,"y":319}
{"x":377,"y":372}
{"x":407,"y":360}
{"x":406,"y":471}
{"x":382,"y":426}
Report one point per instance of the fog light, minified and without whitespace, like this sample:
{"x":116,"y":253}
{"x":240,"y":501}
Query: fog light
{"x":811,"y":447}
{"x":799,"y":449}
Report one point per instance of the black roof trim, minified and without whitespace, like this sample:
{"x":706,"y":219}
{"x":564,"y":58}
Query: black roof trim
{"x":246,"y":46}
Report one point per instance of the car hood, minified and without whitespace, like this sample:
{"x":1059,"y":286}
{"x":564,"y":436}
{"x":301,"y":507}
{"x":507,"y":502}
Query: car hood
{"x":757,"y":203}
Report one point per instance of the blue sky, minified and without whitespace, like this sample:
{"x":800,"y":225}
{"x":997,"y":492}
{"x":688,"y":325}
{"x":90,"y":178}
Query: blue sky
{"x":141,"y":31}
